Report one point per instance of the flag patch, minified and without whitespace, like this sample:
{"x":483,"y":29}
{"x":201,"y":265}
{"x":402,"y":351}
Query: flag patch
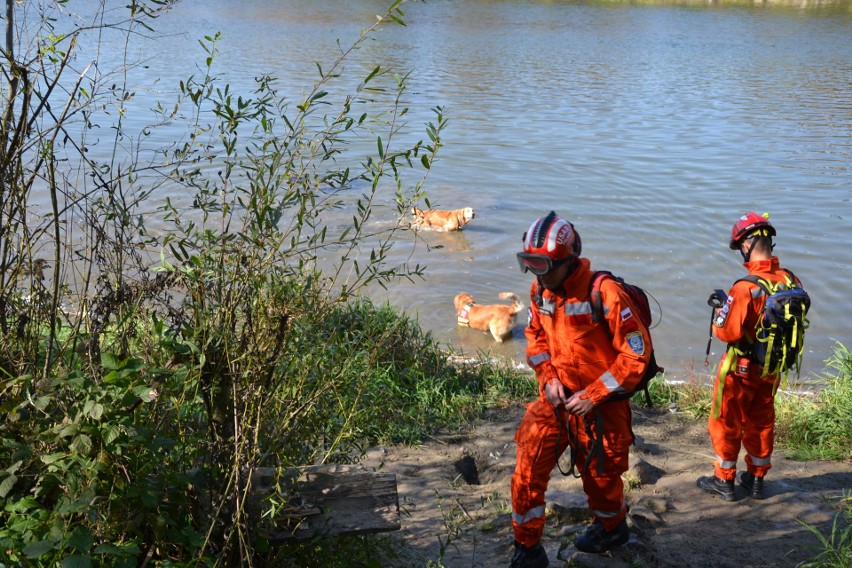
{"x":626,"y":314}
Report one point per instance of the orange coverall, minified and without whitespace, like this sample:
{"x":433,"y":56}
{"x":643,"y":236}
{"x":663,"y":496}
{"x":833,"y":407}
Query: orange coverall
{"x":563,"y":342}
{"x":745,"y":414}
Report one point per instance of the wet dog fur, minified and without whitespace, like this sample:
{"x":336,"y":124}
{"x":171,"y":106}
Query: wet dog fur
{"x":499,"y":319}
{"x":442,"y":220}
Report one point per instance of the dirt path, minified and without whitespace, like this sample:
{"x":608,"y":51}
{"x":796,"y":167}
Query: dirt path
{"x":454,"y":495}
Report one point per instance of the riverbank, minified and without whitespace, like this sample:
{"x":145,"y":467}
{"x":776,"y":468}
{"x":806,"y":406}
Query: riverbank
{"x":455,"y":497}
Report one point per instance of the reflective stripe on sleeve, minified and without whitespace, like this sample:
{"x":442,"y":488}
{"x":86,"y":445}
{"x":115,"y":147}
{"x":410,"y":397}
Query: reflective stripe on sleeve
{"x":534,"y":513}
{"x":611,"y":384}
{"x":537,"y":360}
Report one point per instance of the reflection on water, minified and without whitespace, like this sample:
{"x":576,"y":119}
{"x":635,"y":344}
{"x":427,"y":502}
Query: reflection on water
{"x":651,"y":126}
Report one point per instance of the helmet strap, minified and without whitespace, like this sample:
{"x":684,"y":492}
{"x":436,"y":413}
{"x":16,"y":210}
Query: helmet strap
{"x":766,"y":242}
{"x":573,"y":264}
{"x":746,"y":254}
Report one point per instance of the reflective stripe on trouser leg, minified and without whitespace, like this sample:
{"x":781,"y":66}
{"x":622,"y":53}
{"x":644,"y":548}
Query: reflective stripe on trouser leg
{"x":726,"y":429}
{"x":531,"y":515}
{"x":537,"y":437}
{"x":758,"y":462}
{"x":606,"y":499}
{"x":725,"y":464}
{"x":759,"y":428}
{"x":605,"y":491}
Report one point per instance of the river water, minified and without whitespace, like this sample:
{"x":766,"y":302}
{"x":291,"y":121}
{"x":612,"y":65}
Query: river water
{"x":651,"y":126}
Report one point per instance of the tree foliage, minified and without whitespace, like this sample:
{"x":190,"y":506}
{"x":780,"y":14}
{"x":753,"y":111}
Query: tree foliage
{"x":145,"y":373}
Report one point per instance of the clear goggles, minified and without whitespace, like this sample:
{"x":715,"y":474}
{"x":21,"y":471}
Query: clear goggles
{"x":538,"y":264}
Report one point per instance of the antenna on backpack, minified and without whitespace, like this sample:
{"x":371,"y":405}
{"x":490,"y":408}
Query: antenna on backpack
{"x":659,"y":308}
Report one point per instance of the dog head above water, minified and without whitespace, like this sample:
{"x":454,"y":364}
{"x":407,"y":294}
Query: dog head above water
{"x":467,"y":214}
{"x":443,"y":220}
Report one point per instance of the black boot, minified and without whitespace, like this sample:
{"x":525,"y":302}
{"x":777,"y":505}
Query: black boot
{"x":713,"y":484}
{"x":753,"y":484}
{"x":596,"y":539}
{"x":532,"y":557}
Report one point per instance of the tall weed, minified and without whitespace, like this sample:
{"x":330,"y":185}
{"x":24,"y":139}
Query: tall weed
{"x":135,"y":402}
{"x":819,"y":427}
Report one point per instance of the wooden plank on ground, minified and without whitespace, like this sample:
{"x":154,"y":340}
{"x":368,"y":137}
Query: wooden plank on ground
{"x":326,"y":499}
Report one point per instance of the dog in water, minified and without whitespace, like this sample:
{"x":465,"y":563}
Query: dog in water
{"x":442,"y":220}
{"x":499,"y":319}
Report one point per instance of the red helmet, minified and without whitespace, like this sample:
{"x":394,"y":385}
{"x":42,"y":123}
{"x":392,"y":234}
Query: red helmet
{"x":549,"y":239}
{"x":748,"y":224}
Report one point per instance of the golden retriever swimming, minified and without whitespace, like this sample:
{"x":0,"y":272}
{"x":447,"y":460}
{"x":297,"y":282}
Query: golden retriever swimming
{"x":499,"y":319}
{"x":442,"y":220}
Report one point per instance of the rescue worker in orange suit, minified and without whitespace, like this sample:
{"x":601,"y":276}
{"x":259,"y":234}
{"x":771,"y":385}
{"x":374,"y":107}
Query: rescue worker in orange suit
{"x":743,"y":410}
{"x":579,"y":365}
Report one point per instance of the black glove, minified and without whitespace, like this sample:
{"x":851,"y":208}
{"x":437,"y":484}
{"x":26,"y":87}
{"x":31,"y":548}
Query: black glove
{"x":717,"y":299}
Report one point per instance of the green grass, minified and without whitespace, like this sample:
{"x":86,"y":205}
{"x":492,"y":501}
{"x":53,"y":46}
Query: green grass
{"x":692,"y":398}
{"x":819,"y":428}
{"x":809,"y":427}
{"x":393,"y":365}
{"x":835,"y":548}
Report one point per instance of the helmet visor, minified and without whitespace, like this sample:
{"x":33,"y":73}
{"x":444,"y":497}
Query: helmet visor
{"x":538,"y":264}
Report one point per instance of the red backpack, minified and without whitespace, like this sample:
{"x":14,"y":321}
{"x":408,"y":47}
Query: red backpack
{"x":640,"y":301}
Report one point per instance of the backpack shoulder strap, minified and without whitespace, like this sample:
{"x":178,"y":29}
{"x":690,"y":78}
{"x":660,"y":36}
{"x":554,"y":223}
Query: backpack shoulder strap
{"x":767,"y":286}
{"x":595,"y":294}
{"x":763,"y":284}
{"x":792,"y":280}
{"x":750,"y":278}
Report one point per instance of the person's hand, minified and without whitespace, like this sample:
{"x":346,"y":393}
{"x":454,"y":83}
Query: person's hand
{"x":555,"y":392}
{"x":579,"y":404}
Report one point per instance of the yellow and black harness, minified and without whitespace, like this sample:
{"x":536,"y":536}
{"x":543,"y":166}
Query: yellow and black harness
{"x":775,"y":351}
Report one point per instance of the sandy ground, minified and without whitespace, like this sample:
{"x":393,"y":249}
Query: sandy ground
{"x":455,"y":501}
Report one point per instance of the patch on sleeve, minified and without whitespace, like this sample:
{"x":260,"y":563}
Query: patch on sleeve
{"x":636,"y":341}
{"x":626,"y":314}
{"x":722,"y":316}
{"x":529,"y":317}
